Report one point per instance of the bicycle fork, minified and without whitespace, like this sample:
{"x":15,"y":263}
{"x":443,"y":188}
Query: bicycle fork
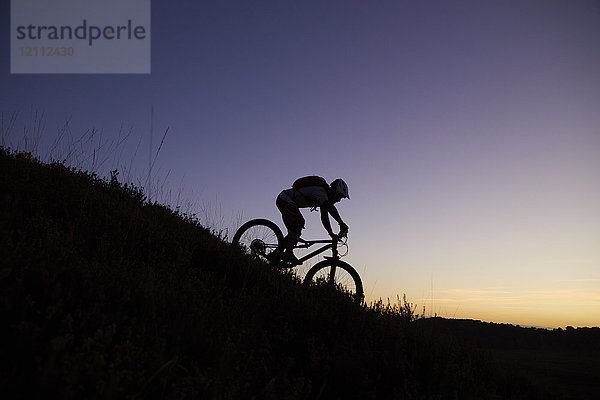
{"x":332,"y":274}
{"x":335,"y":259}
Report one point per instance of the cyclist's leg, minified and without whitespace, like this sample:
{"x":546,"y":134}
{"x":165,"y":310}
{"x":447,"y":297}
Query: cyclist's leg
{"x":293,"y":221}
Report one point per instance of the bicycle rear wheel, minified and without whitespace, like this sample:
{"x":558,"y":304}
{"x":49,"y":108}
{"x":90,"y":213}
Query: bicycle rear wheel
{"x":340,"y":274}
{"x":260,"y":238}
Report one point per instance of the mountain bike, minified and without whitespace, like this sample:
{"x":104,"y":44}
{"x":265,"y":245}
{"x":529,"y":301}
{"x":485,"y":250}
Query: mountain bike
{"x":262,"y":239}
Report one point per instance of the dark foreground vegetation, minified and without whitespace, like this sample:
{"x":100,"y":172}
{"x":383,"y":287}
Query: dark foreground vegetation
{"x":103,"y":295}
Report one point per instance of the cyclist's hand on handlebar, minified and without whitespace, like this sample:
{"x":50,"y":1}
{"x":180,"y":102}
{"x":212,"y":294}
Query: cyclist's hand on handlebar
{"x":338,"y":238}
{"x":343,"y":230}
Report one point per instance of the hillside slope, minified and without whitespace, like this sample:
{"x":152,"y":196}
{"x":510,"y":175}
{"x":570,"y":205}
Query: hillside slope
{"x":103,"y":295}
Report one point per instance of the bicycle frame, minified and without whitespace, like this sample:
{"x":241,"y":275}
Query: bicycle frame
{"x":330,"y":244}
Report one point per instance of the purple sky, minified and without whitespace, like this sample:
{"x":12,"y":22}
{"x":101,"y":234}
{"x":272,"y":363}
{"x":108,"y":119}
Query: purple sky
{"x":468,"y":131}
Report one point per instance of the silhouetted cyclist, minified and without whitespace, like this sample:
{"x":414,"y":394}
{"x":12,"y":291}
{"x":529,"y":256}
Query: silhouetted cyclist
{"x":314,"y":192}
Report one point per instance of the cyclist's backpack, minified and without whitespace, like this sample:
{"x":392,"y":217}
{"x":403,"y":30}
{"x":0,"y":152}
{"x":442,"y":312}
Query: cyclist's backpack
{"x":312,"y":180}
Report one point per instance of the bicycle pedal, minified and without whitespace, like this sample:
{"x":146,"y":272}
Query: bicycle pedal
{"x":287,"y":265}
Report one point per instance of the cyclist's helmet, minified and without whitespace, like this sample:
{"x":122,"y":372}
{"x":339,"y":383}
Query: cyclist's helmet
{"x":340,"y":188}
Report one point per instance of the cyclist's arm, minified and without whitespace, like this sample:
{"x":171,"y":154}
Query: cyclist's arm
{"x":326,"y":209}
{"x":325,"y":220}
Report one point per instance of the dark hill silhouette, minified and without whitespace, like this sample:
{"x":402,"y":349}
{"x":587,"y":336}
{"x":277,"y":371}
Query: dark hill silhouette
{"x":506,"y":336}
{"x":565,"y":361}
{"x":103,"y":295}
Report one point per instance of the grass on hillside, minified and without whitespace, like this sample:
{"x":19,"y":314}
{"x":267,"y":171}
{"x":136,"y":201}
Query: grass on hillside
{"x":105,"y":295}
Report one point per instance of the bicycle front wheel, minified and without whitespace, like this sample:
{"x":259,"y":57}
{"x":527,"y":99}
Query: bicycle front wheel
{"x":338,"y":273}
{"x":260,"y":238}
